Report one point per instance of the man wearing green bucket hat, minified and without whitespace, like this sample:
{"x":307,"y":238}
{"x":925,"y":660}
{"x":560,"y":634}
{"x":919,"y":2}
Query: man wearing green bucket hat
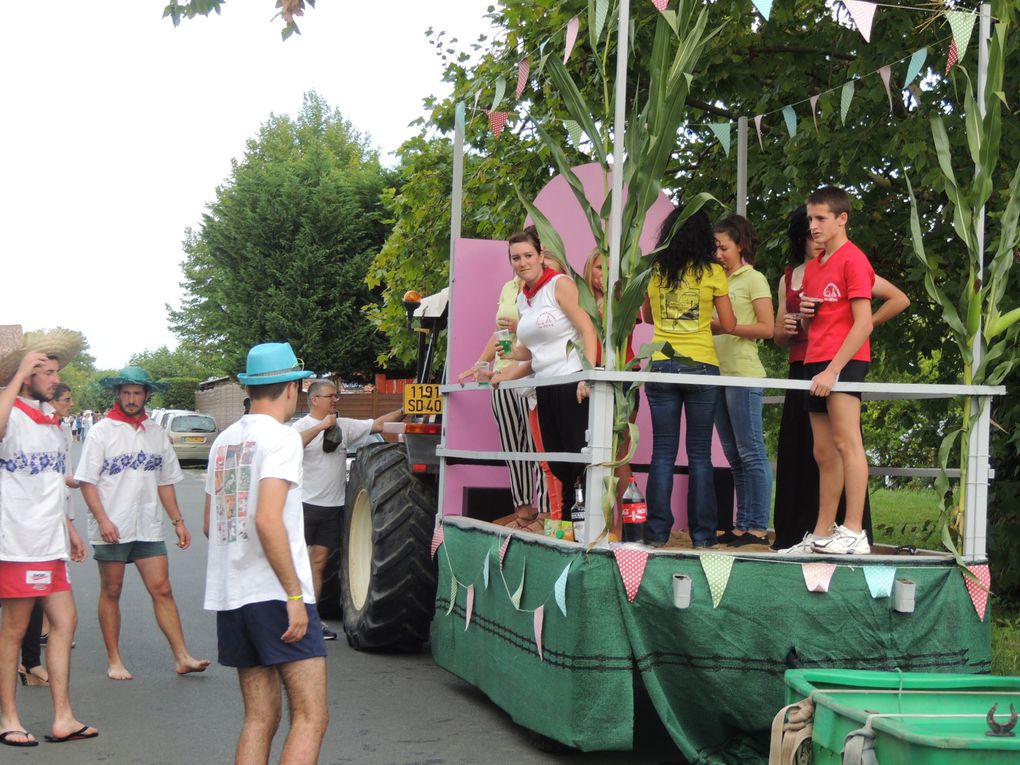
{"x":127,"y":472}
{"x":258,"y":578}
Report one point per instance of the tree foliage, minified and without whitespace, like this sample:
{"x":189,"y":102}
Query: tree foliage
{"x":189,"y":9}
{"x":283,"y":251}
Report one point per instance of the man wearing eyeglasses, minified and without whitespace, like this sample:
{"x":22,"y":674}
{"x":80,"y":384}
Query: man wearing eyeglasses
{"x":325,"y":473}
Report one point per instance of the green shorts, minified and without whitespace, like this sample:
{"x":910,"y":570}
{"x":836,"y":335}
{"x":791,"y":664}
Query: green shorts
{"x":128,"y":552}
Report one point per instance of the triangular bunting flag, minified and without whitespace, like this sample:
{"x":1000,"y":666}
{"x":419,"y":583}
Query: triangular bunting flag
{"x":560,"y":590}
{"x":979,"y":590}
{"x":485,"y":570}
{"x":453,"y":594}
{"x":962,"y":24}
{"x":817,"y":575}
{"x":572,"y":27}
{"x":516,"y":597}
{"x":496,"y":121}
{"x":757,"y":127}
{"x":502,"y":550}
{"x":469,"y":606}
{"x":914,"y":67}
{"x":573,"y":128}
{"x":952,"y":58}
{"x":538,"y":622}
{"x":523,"y":70}
{"x":844,"y":100}
{"x":791,"y":120}
{"x":764,"y":7}
{"x":886,"y":74}
{"x":863,"y":14}
{"x":631,"y":563}
{"x":814,"y":111}
{"x":500,"y":92}
{"x":880,"y":580}
{"x":478,"y":95}
{"x":717,"y":570}
{"x":660,"y":5}
{"x":437,"y":540}
{"x":722,"y":132}
{"x":601,"y":11}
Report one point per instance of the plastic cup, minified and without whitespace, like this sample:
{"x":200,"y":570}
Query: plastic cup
{"x":503,"y":338}
{"x":482,"y":368}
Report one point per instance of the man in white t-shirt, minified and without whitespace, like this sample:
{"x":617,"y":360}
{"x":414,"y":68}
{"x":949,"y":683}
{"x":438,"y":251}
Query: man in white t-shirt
{"x":127,"y":473}
{"x":36,"y":538}
{"x":258,"y":579}
{"x":325,"y":473}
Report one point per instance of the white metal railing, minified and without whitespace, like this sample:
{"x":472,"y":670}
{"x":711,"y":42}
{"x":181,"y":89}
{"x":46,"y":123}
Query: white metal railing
{"x":600,"y":434}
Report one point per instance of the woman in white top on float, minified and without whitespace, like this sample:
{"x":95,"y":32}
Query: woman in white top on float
{"x":551,"y":319}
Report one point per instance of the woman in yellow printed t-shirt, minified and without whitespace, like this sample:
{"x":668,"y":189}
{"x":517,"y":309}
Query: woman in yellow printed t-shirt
{"x":685,"y":286}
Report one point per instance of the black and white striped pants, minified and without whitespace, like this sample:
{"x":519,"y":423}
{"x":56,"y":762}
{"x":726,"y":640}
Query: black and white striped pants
{"x":527,"y":483}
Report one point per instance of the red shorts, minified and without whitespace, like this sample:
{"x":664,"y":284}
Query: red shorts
{"x":33,"y":580}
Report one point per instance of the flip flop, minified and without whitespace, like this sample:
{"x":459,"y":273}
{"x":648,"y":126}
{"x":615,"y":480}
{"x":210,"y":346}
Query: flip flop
{"x":78,"y":735}
{"x":6,"y":733}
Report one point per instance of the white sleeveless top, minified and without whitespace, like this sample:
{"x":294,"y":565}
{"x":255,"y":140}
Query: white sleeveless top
{"x":545,"y":331}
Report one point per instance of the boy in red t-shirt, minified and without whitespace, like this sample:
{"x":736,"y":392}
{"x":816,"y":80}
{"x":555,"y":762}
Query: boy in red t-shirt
{"x":837,"y":308}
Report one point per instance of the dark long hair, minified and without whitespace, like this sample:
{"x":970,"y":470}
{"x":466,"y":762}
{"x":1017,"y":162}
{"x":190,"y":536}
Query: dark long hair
{"x":798,"y":235}
{"x":692,"y":248}
{"x":529,"y":235}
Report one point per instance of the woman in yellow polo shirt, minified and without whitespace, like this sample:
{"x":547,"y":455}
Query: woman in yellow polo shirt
{"x":685,"y":286}
{"x":738,"y":414}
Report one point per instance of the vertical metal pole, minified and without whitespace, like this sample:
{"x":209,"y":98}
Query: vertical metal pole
{"x":456,"y":203}
{"x":976,"y":488}
{"x":742,"y":166}
{"x":600,"y":407}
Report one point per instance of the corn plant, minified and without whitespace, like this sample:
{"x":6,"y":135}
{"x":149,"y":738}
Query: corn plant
{"x":658,"y":110}
{"x":984,"y":335}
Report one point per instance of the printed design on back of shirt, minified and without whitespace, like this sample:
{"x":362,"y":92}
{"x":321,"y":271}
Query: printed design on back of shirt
{"x":232,"y":484}
{"x":680,"y":310}
{"x":35,"y":463}
{"x":141,"y":461}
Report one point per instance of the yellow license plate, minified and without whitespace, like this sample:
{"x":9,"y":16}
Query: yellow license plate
{"x":195,"y":440}
{"x":422,"y":399}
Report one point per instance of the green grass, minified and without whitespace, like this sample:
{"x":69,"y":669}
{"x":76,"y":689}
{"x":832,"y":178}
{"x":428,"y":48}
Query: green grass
{"x":911,"y":517}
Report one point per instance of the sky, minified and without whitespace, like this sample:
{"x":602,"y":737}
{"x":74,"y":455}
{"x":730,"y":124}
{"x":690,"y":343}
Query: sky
{"x":117,"y":128}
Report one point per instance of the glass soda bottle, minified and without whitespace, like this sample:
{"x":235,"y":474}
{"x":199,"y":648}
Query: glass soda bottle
{"x":635,"y":513}
{"x":577,"y":512}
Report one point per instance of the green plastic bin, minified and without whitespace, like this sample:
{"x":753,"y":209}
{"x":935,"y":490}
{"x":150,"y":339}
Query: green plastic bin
{"x":926,"y":718}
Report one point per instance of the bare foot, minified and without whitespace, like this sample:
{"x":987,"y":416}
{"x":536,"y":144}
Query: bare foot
{"x":15,"y":736}
{"x":117,"y":672}
{"x":191,"y":664}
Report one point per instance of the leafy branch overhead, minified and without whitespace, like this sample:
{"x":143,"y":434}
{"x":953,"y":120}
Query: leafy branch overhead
{"x":189,"y":9}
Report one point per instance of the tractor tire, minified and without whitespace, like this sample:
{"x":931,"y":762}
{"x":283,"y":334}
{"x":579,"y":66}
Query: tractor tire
{"x":388,"y":580}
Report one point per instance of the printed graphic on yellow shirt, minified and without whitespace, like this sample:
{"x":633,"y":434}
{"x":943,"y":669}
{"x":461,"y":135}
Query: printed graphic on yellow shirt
{"x":680,"y":310}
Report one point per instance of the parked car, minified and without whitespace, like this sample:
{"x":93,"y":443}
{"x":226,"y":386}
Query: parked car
{"x":191,"y":433}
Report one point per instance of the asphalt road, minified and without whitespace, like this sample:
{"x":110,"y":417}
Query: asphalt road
{"x":383,"y":709}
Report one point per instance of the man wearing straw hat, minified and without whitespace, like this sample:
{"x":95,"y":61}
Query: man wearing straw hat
{"x":127,"y":473}
{"x":259,"y":579}
{"x":36,"y":538}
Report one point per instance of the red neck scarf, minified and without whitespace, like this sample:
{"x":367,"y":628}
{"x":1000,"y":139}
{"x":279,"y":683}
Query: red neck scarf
{"x":36,"y":415}
{"x":530,"y":292}
{"x":116,"y":413}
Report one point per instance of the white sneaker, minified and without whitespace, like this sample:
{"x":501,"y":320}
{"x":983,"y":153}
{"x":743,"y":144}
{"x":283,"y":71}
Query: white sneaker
{"x":806,"y":546}
{"x":843,"y":542}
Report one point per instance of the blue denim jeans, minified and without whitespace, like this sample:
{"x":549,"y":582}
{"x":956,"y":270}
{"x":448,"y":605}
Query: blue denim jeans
{"x":666,"y":403}
{"x":738,"y":420}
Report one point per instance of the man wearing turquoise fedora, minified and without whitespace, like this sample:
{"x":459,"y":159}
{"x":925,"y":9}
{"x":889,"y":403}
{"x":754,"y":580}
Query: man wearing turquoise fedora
{"x":127,"y":472}
{"x":258,"y":578}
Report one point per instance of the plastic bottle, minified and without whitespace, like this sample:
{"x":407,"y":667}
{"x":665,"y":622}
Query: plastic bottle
{"x":577,"y":512}
{"x":635,"y":513}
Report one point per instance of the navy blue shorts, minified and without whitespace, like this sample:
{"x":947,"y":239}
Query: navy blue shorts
{"x":249,"y":636}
